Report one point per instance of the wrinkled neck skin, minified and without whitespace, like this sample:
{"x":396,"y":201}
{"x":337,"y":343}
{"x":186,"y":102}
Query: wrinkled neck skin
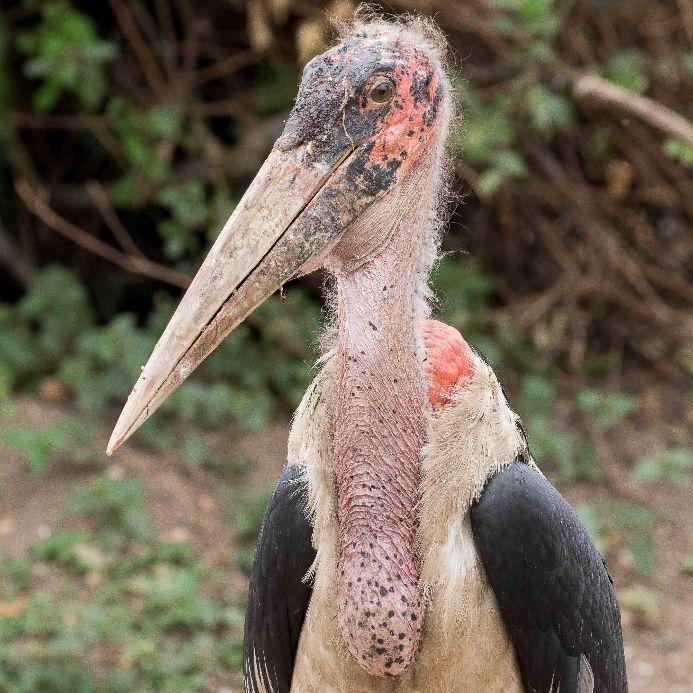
{"x":380,"y":430}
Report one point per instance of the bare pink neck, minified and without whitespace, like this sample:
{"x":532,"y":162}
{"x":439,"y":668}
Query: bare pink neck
{"x":380,"y":430}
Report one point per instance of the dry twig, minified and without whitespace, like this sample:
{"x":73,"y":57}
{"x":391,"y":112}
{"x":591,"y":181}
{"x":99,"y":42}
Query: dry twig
{"x":14,"y":259}
{"x":657,"y":115}
{"x":138,"y":265}
{"x":149,"y":65}
{"x":103,"y":203}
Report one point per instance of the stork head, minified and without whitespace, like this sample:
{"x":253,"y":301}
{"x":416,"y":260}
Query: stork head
{"x":367,"y":113}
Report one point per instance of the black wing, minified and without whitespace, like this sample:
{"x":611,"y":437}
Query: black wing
{"x":553,"y":589}
{"x":278,"y":597}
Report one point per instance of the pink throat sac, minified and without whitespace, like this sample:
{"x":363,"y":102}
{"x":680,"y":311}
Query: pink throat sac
{"x":379,"y":433}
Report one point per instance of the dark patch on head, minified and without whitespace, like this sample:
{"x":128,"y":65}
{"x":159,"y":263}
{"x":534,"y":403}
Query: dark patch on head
{"x":369,"y":178}
{"x":420,"y":83}
{"x":329,"y":106}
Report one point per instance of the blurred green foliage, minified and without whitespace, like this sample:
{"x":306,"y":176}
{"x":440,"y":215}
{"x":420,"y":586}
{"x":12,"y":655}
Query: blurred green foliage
{"x":122,"y":617}
{"x":674,"y":465}
{"x":70,"y":550}
{"x":164,"y":633}
{"x":629,"y":524}
{"x":117,"y":504}
{"x":40,"y":446}
{"x":64,"y":51}
{"x":627,"y":70}
{"x":680,"y":151}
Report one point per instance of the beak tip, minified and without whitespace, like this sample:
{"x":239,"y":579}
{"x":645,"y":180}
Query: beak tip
{"x":113,"y":445}
{"x":118,"y":437}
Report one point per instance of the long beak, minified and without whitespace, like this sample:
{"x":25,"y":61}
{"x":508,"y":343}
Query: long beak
{"x":288,"y":216}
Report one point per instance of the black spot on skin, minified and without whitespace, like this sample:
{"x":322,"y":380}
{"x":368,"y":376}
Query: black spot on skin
{"x":432,"y":110}
{"x":420,"y":83}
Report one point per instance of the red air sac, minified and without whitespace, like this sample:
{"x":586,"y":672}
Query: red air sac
{"x":449,"y":359}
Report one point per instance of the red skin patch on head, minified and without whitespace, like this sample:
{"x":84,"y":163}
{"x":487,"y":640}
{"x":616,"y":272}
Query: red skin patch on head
{"x":449,"y":359}
{"x":405,"y":129}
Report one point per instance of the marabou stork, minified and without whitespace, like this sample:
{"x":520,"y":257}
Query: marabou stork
{"x":411,"y":543}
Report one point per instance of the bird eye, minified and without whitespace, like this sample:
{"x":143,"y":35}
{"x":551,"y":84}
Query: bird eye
{"x":382,"y":91}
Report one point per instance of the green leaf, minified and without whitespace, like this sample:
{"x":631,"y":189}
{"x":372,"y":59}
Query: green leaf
{"x":538,"y":396}
{"x":231,"y":654}
{"x":537,"y":17}
{"x":607,"y":409}
{"x":247,"y":515}
{"x":627,"y":517}
{"x":644,"y":554}
{"x":671,"y":465}
{"x":164,"y":120}
{"x":640,"y":599}
{"x":39,"y":445}
{"x":140,"y":133}
{"x":177,"y":239}
{"x":547,"y":444}
{"x":549,"y":112}
{"x":505,"y":165}
{"x":587,"y":462}
{"x":487,"y":128}
{"x":63,"y":548}
{"x":187,"y":203}
{"x":680,"y":151}
{"x":195,"y":450}
{"x":66,"y":53}
{"x":627,"y":70}
{"x":57,"y":304}
{"x":510,"y":163}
